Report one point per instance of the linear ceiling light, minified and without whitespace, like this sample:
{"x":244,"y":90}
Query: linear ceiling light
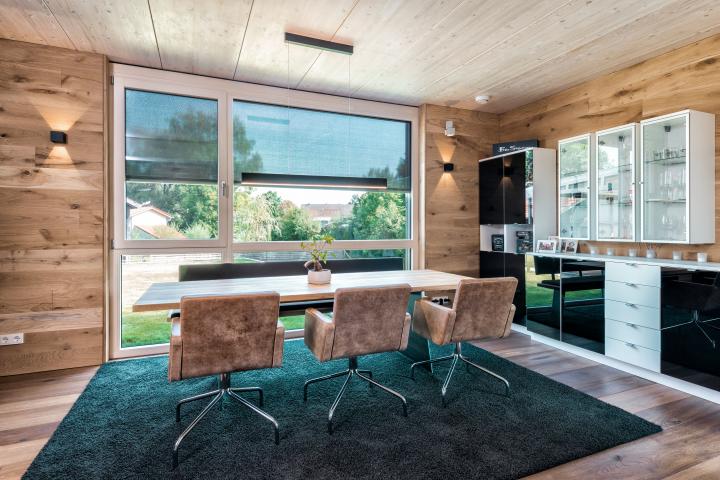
{"x":317,"y":43}
{"x":319,"y":181}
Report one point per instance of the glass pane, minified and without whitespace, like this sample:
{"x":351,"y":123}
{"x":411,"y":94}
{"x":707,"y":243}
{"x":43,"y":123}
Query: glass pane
{"x":170,"y":137}
{"x":138,"y":272}
{"x":171,"y":211}
{"x":664,"y":180}
{"x":295,"y":321}
{"x":282,"y":140}
{"x":542,"y":295}
{"x":171,"y":167}
{"x":295,"y":214}
{"x":574,"y":163}
{"x":583,"y":304}
{"x":616,"y":185}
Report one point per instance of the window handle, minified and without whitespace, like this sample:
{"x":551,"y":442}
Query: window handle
{"x":223,"y":188}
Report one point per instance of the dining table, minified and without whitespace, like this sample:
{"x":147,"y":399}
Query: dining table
{"x":296,"y":289}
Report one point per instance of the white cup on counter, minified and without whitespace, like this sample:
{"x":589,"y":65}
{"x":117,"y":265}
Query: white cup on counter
{"x":677,"y":255}
{"x":632,"y":252}
{"x":702,"y":257}
{"x":611,"y":251}
{"x":593,"y":250}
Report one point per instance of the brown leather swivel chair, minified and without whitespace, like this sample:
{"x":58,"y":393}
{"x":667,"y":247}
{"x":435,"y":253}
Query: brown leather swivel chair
{"x":218,"y":335}
{"x":364,"y":321}
{"x":482,"y":308}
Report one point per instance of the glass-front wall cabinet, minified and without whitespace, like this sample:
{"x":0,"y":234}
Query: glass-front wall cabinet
{"x":574,"y":187}
{"x":615,"y":177}
{"x":665,"y":179}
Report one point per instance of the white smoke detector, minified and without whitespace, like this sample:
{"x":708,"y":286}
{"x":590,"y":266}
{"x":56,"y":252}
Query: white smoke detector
{"x":482,"y":99}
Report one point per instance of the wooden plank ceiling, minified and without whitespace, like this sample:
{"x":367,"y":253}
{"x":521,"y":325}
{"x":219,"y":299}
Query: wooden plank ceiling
{"x":406,"y":51}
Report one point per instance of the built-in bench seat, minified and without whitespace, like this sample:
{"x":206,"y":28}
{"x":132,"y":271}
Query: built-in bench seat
{"x":219,"y":271}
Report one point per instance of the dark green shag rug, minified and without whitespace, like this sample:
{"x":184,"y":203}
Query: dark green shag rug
{"x":123,"y":425}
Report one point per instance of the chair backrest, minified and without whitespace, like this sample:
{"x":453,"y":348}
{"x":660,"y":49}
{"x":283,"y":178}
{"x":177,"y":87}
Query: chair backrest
{"x":230,"y":333}
{"x":218,"y":271}
{"x":369,"y":320}
{"x":482,"y":307}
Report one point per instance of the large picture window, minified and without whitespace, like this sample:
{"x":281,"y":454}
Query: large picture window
{"x":184,"y":149}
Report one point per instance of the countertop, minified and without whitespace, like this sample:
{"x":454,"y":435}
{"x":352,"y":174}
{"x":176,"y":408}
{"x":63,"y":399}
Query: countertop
{"x":660,"y":262}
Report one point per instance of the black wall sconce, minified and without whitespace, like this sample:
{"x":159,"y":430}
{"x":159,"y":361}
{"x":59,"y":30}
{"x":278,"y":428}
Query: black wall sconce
{"x":448,"y":167}
{"x":58,"y":137}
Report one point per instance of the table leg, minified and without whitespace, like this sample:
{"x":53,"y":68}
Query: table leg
{"x":418,"y":348}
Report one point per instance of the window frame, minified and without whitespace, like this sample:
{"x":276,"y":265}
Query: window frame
{"x":226,"y":92}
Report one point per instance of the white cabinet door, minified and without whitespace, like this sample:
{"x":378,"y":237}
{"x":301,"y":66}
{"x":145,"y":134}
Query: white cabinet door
{"x":574,"y":187}
{"x":615,"y":183}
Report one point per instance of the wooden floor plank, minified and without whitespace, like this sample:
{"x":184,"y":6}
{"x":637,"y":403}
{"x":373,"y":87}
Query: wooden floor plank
{"x":688,"y":447}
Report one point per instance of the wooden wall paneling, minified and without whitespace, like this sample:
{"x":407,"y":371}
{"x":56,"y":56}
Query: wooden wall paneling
{"x":52,"y":217}
{"x":685,"y":78}
{"x":452,"y":239}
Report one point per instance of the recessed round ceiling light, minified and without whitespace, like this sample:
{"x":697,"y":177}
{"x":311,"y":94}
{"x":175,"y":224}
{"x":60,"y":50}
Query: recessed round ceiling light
{"x":482,"y":99}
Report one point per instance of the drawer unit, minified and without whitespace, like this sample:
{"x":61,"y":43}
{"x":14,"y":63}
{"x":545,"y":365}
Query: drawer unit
{"x":634,"y":334}
{"x":633,"y":313}
{"x":634,"y":354}
{"x":633,"y":293}
{"x":632,"y":272}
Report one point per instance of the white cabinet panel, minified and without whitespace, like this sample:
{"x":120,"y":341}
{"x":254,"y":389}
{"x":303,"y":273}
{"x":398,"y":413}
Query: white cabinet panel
{"x":632,"y":272}
{"x":633,"y":354}
{"x":635,"y":334}
{"x":627,"y":312}
{"x":632,"y":293}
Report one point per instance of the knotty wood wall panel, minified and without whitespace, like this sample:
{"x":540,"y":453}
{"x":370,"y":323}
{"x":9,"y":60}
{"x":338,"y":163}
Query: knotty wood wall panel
{"x":452,"y":238}
{"x":51,"y":207}
{"x":686,"y":78}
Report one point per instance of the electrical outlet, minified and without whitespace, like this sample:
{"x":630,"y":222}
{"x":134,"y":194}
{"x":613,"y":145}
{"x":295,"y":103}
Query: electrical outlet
{"x":12,"y":339}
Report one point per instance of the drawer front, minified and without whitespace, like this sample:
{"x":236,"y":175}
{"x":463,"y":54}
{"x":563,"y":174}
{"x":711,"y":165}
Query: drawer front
{"x":635,"y":334}
{"x":632,"y":272}
{"x":633,"y":313}
{"x":633,"y":293}
{"x":633,"y":354}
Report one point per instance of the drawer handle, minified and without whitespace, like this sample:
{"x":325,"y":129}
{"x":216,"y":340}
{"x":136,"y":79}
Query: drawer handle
{"x":630,"y":325}
{"x":631,"y":345}
{"x":632,"y":264}
{"x":631,"y":305}
{"x":630,"y":284}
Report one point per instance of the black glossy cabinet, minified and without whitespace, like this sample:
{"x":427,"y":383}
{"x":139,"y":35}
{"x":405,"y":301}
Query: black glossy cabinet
{"x":502,"y":190}
{"x":565,"y":301}
{"x":690,"y":326}
{"x":500,"y":264}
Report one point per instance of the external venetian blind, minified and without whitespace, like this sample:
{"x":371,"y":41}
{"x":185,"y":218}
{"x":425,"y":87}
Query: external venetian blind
{"x":278,"y":141}
{"x":170,"y":138}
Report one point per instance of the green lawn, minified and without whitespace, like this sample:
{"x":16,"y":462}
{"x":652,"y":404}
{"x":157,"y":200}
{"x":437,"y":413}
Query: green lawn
{"x":150,"y":328}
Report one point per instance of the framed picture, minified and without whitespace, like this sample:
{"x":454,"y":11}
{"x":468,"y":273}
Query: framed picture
{"x":569,"y":245}
{"x":546,"y":246}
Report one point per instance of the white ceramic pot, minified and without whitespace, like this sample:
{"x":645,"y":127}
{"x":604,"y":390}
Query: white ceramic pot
{"x":319,"y":278}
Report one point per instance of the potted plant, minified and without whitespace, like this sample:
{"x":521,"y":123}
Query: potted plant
{"x":318,"y":250}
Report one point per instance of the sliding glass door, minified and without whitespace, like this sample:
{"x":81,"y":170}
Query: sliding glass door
{"x":210,"y":171}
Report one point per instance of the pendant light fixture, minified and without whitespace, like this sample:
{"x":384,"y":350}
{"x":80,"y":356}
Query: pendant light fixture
{"x":314,"y":181}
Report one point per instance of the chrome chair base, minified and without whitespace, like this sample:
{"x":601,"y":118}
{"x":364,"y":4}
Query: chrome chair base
{"x":218,"y":396}
{"x":455,"y":357}
{"x":352,"y":371}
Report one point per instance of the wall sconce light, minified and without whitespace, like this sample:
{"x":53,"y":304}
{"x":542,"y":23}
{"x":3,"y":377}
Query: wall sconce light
{"x":448,"y":167}
{"x":449,"y":129}
{"x":58,"y":137}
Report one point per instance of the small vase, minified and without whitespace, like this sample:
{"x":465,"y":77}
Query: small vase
{"x":319,"y":277}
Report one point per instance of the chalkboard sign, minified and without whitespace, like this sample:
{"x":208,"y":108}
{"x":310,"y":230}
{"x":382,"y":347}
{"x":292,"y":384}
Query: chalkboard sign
{"x":508,"y":147}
